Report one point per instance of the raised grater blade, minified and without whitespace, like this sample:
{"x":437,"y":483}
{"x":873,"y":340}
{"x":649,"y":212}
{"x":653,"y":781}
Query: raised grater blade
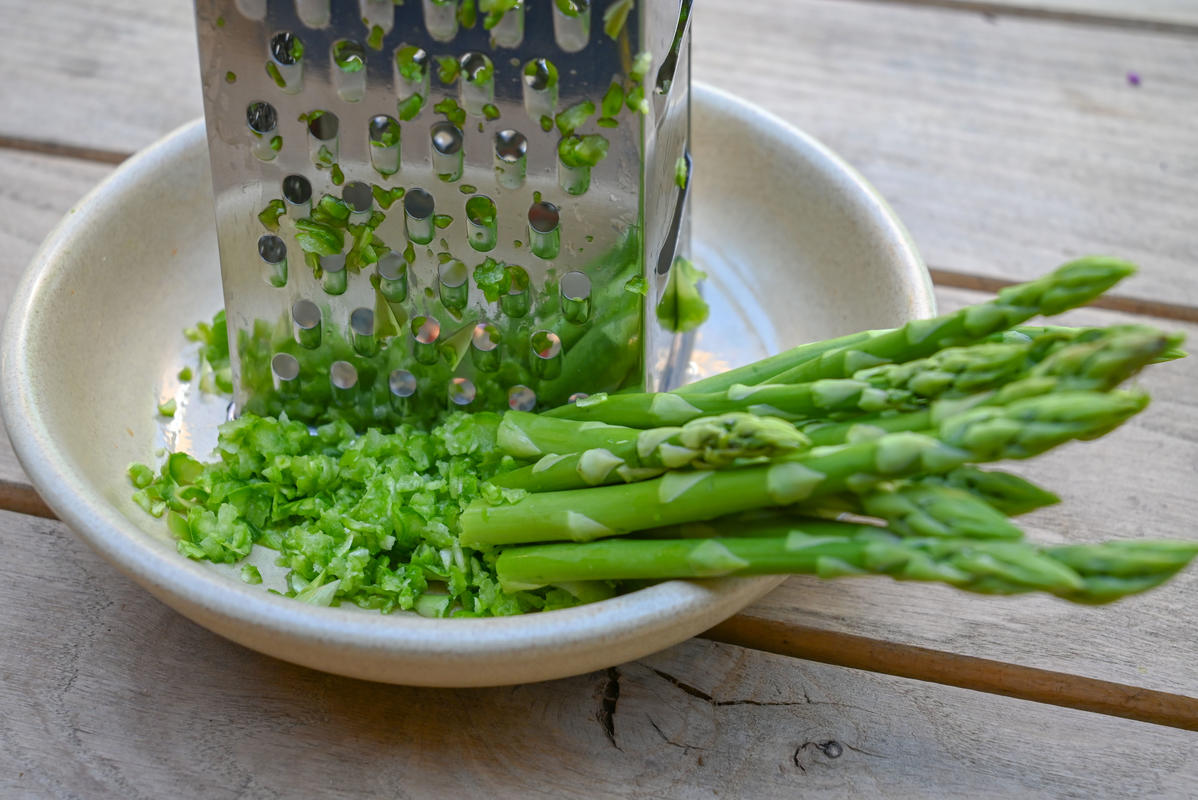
{"x":433,"y":204}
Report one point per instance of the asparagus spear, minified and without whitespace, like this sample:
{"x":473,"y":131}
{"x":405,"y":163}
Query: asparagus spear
{"x":1080,"y":573}
{"x":1097,"y":364}
{"x":1036,"y":333}
{"x":1071,"y":285}
{"x":954,"y":370}
{"x":1068,"y":286}
{"x":1019,"y":430}
{"x":704,"y":443}
{"x":913,"y":508}
{"x":1010,"y":494}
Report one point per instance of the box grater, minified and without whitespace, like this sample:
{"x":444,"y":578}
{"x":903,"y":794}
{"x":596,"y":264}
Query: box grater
{"x":434,"y":204}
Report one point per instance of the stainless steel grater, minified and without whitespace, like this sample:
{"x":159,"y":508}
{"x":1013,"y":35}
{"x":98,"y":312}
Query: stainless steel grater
{"x":433,"y":204}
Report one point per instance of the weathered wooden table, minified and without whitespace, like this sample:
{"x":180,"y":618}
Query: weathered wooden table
{"x":1009,"y":135}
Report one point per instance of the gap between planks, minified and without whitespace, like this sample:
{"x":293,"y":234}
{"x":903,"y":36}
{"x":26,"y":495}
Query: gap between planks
{"x":47,"y":148}
{"x":1040,"y":12}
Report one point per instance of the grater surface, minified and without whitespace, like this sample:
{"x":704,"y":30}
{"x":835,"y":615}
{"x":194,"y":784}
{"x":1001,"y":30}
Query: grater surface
{"x":407,"y":211}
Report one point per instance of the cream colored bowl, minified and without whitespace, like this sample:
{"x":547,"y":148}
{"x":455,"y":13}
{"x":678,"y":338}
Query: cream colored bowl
{"x":798,"y":245}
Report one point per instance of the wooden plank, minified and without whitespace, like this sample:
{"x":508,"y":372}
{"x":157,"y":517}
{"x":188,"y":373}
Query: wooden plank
{"x":126,"y":698}
{"x":1179,"y":15}
{"x":1007,"y":145}
{"x":1140,"y":481}
{"x":111,"y":77}
{"x":35,"y":192}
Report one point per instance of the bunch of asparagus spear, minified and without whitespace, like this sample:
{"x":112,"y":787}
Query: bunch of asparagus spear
{"x":851,"y":456}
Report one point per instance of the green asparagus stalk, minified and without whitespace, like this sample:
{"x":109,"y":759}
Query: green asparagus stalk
{"x":1071,"y":285}
{"x":1068,"y":286}
{"x":923,"y":509}
{"x":1019,"y":430}
{"x":1010,"y":494}
{"x":704,"y":443}
{"x":1080,"y":573}
{"x":765,"y":369}
{"x":1002,"y":492}
{"x":1095,"y":365}
{"x":1037,"y":333}
{"x":954,"y":370}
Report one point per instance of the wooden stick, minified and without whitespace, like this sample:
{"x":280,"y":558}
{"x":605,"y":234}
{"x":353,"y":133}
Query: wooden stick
{"x":966,"y":672}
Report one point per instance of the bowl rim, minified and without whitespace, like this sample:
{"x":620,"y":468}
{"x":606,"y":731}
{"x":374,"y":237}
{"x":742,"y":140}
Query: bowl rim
{"x":266,"y":617}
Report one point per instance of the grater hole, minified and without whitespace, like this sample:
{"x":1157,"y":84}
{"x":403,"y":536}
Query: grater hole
{"x":517,"y":301}
{"x":572,"y":24}
{"x":412,"y":62}
{"x":384,"y":131}
{"x":477,"y":68}
{"x":297,"y":190}
{"x":477,"y":87}
{"x":484,"y":347}
{"x":543,"y":217}
{"x":546,"y":345}
{"x":454,"y":290}
{"x":575,"y":289}
{"x":271,"y":249}
{"x":540,"y":79}
{"x":425,"y":330}
{"x":482,"y":227}
{"x":401,"y":383}
{"x":286,"y":48}
{"x":441,"y":19}
{"x":447,"y":152}
{"x":521,"y":398}
{"x":540,"y":75}
{"x":510,"y":146}
{"x":453,"y":274}
{"x":285,"y":367}
{"x":343,"y":375}
{"x":323,"y":125}
{"x":511,"y":158}
{"x":418,"y":204}
{"x":252,"y":9}
{"x":462,"y":391}
{"x":313,"y":13}
{"x":393,"y":277}
{"x":547,"y":354}
{"x":361,"y":322}
{"x":447,"y":138}
{"x":358,"y":197}
{"x":361,"y":328}
{"x":575,"y":286}
{"x":261,"y":117}
{"x":485,"y":337}
{"x":305,"y":316}
{"x":349,"y":55}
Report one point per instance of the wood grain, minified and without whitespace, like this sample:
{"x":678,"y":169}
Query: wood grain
{"x":110,"y":76}
{"x":107,"y":693}
{"x":1172,"y":15}
{"x":1007,"y":145}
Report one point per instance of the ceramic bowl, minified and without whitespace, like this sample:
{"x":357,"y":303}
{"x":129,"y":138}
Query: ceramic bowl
{"x":798,"y":247}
